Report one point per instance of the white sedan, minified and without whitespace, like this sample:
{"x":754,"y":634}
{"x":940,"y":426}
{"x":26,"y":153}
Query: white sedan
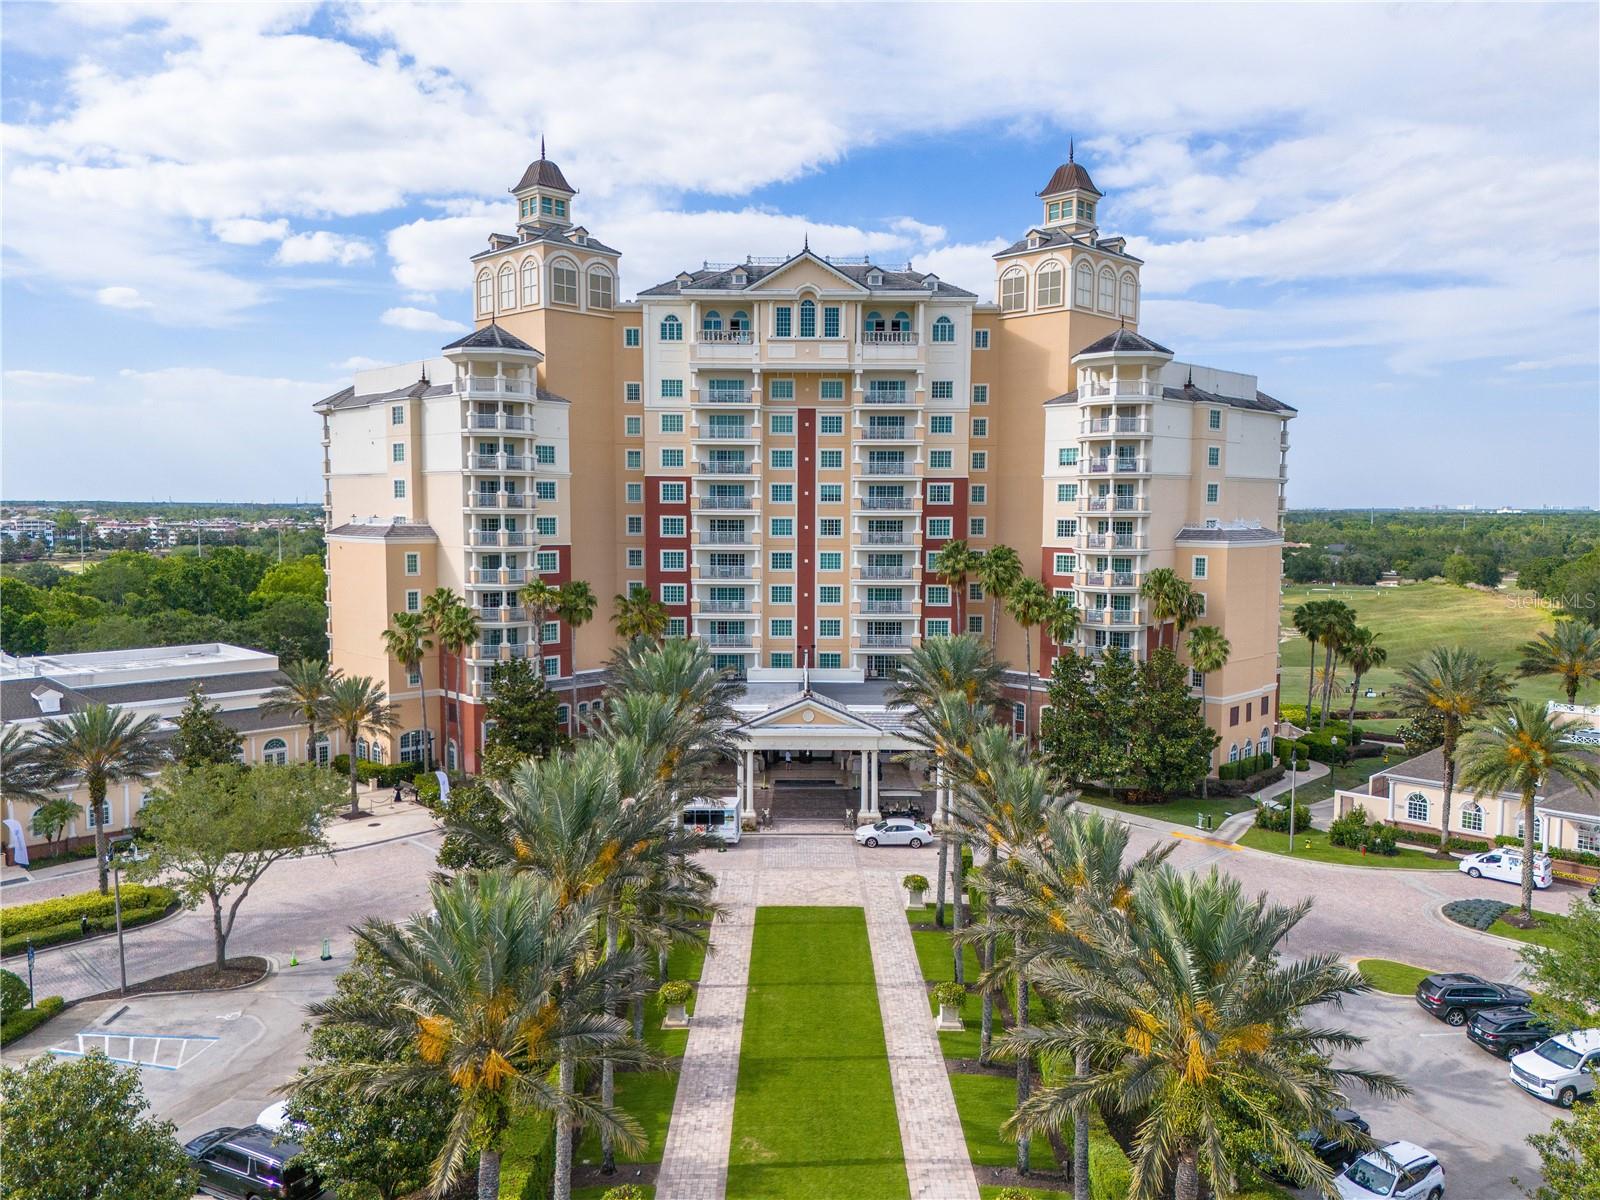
{"x":1506,"y":866}
{"x":895,"y":832}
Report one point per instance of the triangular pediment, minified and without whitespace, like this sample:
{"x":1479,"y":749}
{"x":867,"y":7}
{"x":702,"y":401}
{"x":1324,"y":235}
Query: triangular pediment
{"x":806,"y":270}
{"x":810,"y":712}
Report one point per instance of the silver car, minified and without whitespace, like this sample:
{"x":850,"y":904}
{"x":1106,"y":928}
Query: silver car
{"x":897,"y":831}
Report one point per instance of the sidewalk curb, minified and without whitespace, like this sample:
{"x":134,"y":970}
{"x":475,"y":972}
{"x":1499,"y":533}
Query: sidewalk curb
{"x":1438,"y":913}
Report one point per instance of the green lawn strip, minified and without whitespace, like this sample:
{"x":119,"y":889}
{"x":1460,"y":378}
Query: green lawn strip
{"x":684,"y":962}
{"x":1313,"y":846}
{"x":1548,"y":931}
{"x":984,"y":1103}
{"x":814,"y":1116}
{"x":1396,"y":978}
{"x":1181,"y":811}
{"x":647,"y":1097}
{"x":598,"y":1191}
{"x":1347,"y":777}
{"x":938,"y":960}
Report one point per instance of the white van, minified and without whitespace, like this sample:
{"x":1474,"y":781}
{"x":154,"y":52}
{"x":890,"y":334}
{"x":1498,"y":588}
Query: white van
{"x":1561,"y":1068}
{"x":717,"y":817}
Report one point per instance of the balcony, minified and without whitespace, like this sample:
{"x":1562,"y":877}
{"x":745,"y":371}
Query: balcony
{"x":888,"y":537}
{"x":725,"y":606}
{"x":725,"y":571}
{"x":501,"y":616}
{"x":887,"y":396}
{"x":492,"y":385}
{"x":725,"y":537}
{"x":1109,"y":579}
{"x":725,"y":502}
{"x":1136,"y":388}
{"x":1102,"y":426}
{"x":884,"y":466}
{"x":1107,"y":465}
{"x":886,"y":607}
{"x":726,"y":433}
{"x":880,"y":572}
{"x":1122,"y":617}
{"x":888,"y":337}
{"x":1121,"y":504}
{"x":726,"y":337}
{"x":1113,"y":541}
{"x":724,"y":396}
{"x":728,"y":641}
{"x":720,"y":466}
{"x":901,"y":503}
{"x":886,"y":641}
{"x":485,"y":537}
{"x":476,"y":421}
{"x":887,"y":433}
{"x":725,"y":346}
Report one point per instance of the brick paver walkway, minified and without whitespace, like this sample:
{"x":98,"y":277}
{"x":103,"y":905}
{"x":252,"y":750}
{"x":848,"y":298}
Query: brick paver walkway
{"x":937,"y":1164}
{"x":694,"y":1161}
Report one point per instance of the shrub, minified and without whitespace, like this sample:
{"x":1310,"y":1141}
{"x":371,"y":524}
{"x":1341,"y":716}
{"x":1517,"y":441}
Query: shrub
{"x":1243,"y":768}
{"x":950,"y":995}
{"x":1382,"y":839}
{"x":1277,"y":819}
{"x":42,"y":914}
{"x":1354,"y":832}
{"x":623,"y":1191}
{"x":675,"y":992}
{"x":1426,"y":837}
{"x":1476,"y":914}
{"x":20,"y":1024}
{"x":71,"y":931}
{"x":13,"y":993}
{"x":1013,"y":1193}
{"x":915,"y":883}
{"x":1560,"y":853}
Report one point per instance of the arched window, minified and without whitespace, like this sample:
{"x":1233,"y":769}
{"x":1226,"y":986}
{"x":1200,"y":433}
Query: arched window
{"x":1108,"y":291}
{"x":563,"y":282}
{"x":508,"y":288}
{"x":1472,"y":817}
{"x":1129,"y":302}
{"x":671,"y":329}
{"x":711,"y":322}
{"x":324,"y":750}
{"x":1083,"y":285}
{"x":1233,"y":752}
{"x":1416,"y":807}
{"x":901,"y":323}
{"x":944,"y":330}
{"x":1538,"y":828}
{"x":485,"y":293}
{"x":1047,"y":288}
{"x":739,"y":322}
{"x":361,"y":748}
{"x":1014,"y":290}
{"x":530,"y":282}
{"x":1264,"y":742}
{"x":808,"y":318}
{"x":450,"y":760}
{"x":873,"y":322}
{"x":412,"y":744}
{"x":602,"y":290}
{"x":276,"y":751}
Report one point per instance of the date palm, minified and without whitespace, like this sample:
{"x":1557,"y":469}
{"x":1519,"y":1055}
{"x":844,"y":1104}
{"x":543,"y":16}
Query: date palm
{"x":540,"y":598}
{"x":1362,"y":653}
{"x":575,"y":605}
{"x":1521,"y":749}
{"x":1169,"y":598}
{"x":998,"y":572}
{"x":1311,"y":620}
{"x":1570,"y":652}
{"x":357,"y":703}
{"x":304,"y":694}
{"x":455,"y":627}
{"x":1060,"y":622}
{"x":1186,"y":1013}
{"x":1029,"y":606}
{"x":1339,"y":627}
{"x":22,"y":775}
{"x":407,"y":641}
{"x":499,"y":988}
{"x":1458,"y":687}
{"x":639,"y":615}
{"x":956,"y":563}
{"x":95,"y":747}
{"x":1208,"y":653}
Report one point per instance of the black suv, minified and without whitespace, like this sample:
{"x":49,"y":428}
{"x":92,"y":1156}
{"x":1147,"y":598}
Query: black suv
{"x":252,"y":1163}
{"x":1454,"y":997}
{"x":1507,"y":1032}
{"x":1329,"y":1149}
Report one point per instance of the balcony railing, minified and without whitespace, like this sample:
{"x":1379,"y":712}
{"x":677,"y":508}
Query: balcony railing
{"x":885,"y":467}
{"x":887,"y":606}
{"x":725,"y":606}
{"x":888,"y":397}
{"x":490,"y":385}
{"x":1113,"y":504}
{"x":886,"y":537}
{"x":725,"y":537}
{"x":730,"y":433}
{"x":888,"y":337}
{"x":1110,"y":616}
{"x":887,"y":433}
{"x":1114,"y":541}
{"x":728,"y":337}
{"x":1107,"y":465}
{"x":875,"y":572}
{"x":1116,"y":425}
{"x":885,"y":502}
{"x":500,"y":421}
{"x":485,"y":537}
{"x":723,"y":571}
{"x":724,"y":396}
{"x":718,"y":502}
{"x":886,"y":641}
{"x":1122,"y":387}
{"x":485,"y":500}
{"x":501,"y":616}
{"x":728,"y":641}
{"x":718,"y":466}
{"x":1110,"y":579}
{"x":516,"y":537}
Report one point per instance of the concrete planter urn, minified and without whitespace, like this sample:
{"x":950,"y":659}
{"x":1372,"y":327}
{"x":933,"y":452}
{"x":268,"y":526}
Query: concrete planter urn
{"x":674,"y":996}
{"x":916,"y":887}
{"x":950,"y":997}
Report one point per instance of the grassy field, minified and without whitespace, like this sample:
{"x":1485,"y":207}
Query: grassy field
{"x":1396,"y":978}
{"x":814,"y":1117}
{"x":1415,"y":617}
{"x":1178,"y":812}
{"x":1547,"y":932}
{"x":1314,"y":846}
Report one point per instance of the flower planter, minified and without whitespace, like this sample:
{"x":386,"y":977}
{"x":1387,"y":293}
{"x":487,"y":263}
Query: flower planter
{"x":949,"y":1019}
{"x":676,"y":1017}
{"x":916,"y":898}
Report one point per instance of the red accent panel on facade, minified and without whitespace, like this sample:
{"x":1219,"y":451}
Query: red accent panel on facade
{"x":1052,"y":580}
{"x":654,"y":543}
{"x":956,"y":510}
{"x":469,"y":732}
{"x":805,"y":534}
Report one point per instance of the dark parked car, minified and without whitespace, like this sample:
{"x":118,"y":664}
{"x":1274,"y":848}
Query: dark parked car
{"x":1507,"y":1032}
{"x":1455,"y":997}
{"x":252,"y":1163}
{"x":1329,"y":1149}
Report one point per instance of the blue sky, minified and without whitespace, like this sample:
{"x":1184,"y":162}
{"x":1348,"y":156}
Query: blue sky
{"x":1388,"y":213}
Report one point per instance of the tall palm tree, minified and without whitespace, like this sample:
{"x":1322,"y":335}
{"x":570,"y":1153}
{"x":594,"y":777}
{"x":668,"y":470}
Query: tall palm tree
{"x":998,"y":571}
{"x":500,"y":987}
{"x":1168,"y":596}
{"x":956,"y":563}
{"x":639,"y":614}
{"x":407,"y":640}
{"x":1521,"y":749}
{"x":575,"y":605}
{"x":22,"y":775}
{"x":303,"y":693}
{"x":357,"y":702}
{"x":1029,"y":606}
{"x":1363,"y":654}
{"x":1338,"y":629}
{"x":1187,"y":1014}
{"x":1459,"y":687}
{"x":540,"y":598}
{"x":1060,"y":622}
{"x":455,"y":627}
{"x":95,"y":747}
{"x":1310,"y":619}
{"x":1208,"y":652}
{"x":1570,"y":652}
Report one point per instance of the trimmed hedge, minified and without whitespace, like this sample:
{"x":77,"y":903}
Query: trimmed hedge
{"x":1354,"y":832}
{"x":13,"y":993}
{"x":1476,"y":914}
{"x":383,"y":774}
{"x":1560,"y":853}
{"x":43,"y":914}
{"x":72,"y":931}
{"x":1426,"y":837}
{"x":1277,"y":819}
{"x":22,"y":1023}
{"x":1243,"y":768}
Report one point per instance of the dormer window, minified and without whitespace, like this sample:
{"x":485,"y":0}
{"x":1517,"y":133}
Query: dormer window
{"x":874,"y":278}
{"x":740,"y":279}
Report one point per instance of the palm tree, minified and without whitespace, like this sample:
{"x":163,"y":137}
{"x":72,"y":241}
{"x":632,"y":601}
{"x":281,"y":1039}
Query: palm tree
{"x":407,"y":640}
{"x":303,"y":693}
{"x":1571,"y":652}
{"x":1520,"y":750}
{"x":1363,"y":654}
{"x":684,"y":671}
{"x":639,"y":614}
{"x":1060,"y":622}
{"x":1187,"y":1015}
{"x":956,"y":561}
{"x":1029,"y":605}
{"x":540,"y":597}
{"x":1338,"y":627}
{"x":1459,"y":687}
{"x":1169,"y":598}
{"x":23,"y":779}
{"x":500,"y":987}
{"x":1310,"y":620}
{"x":1208,"y":652}
{"x":998,"y":572}
{"x":575,"y":605}
{"x":356,"y":703}
{"x":455,"y":627}
{"x":97,"y":746}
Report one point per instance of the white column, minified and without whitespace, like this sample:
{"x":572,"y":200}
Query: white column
{"x":872,"y":782}
{"x":749,"y":783}
{"x":938,"y":793}
{"x":865,"y":794}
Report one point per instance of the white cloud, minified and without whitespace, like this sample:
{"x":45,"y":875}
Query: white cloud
{"x":247,"y":231}
{"x":358,"y":362}
{"x":322,"y":246}
{"x":121,"y":297}
{"x":420,"y":320}
{"x":48,"y":378}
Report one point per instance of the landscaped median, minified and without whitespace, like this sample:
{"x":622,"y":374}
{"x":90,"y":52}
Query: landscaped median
{"x":1489,"y":916}
{"x":71,"y":918}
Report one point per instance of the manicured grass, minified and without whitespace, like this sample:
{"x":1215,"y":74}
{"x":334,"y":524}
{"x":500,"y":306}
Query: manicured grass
{"x":1412,"y":619}
{"x":1313,"y":846}
{"x":938,"y":960}
{"x":597,"y":1191}
{"x":990,"y":1191}
{"x":1396,"y":978}
{"x":1548,"y":931}
{"x":1350,"y":776}
{"x":1179,"y":812}
{"x":985,"y":1102}
{"x":684,"y":962}
{"x":647,"y":1097}
{"x":814,"y":1117}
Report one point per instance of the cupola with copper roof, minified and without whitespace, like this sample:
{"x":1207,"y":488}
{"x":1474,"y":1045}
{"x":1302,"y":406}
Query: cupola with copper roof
{"x":1070,"y":198}
{"x":544,"y":197}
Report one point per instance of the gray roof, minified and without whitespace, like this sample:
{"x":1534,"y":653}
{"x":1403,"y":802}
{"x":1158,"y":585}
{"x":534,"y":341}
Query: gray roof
{"x":17,"y":702}
{"x":391,"y":529}
{"x":1260,"y":402}
{"x":1069,"y":176}
{"x":1058,"y":238}
{"x":1238,"y":534}
{"x":720,"y":278}
{"x":544,"y":173}
{"x":1559,"y":794}
{"x":347,"y":398}
{"x":538,"y":232}
{"x":490,"y":337}
{"x":1124,"y":341}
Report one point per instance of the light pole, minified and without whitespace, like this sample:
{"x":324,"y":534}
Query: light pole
{"x":113,"y":852}
{"x":1294,"y":763}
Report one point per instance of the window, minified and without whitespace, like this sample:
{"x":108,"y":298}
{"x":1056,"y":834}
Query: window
{"x":1083,"y":285}
{"x":672,"y":422}
{"x":941,"y":493}
{"x":937,"y":627}
{"x":783,"y":460}
{"x":546,"y":562}
{"x":830,"y":326}
{"x":937,"y":595}
{"x":943,"y":389}
{"x":941,"y":423}
{"x":980,"y":393}
{"x":1067,"y":456}
{"x":632,"y":393}
{"x":1213,"y":456}
{"x":635,"y":525}
{"x":978,"y":493}
{"x":781,"y":660}
{"x":413,"y":601}
{"x":674,"y":560}
{"x":980,"y":460}
{"x":1199,"y":571}
{"x":1013,"y":290}
{"x":830,"y":527}
{"x":830,"y":627}
{"x":781,"y":493}
{"x":829,"y":560}
{"x":1108,"y":291}
{"x":545,"y":455}
{"x":544,"y":527}
{"x":276,"y":750}
{"x":1214,"y":419}
{"x":601,"y":288}
{"x":781,"y":593}
{"x":1588,"y":837}
{"x":944,"y":330}
{"x":413,"y":563}
{"x":1066,"y":528}
{"x":1066,"y":493}
{"x":830,"y":460}
{"x":1538,"y":827}
{"x":938,"y":527}
{"x":976,"y":527}
{"x":1472,"y":818}
{"x":399,"y":489}
{"x":1047,"y":290}
{"x":781,"y":423}
{"x":781,"y":560}
{"x":563,"y":284}
{"x":940,"y":460}
{"x":1065,"y":564}
{"x":831,"y":493}
{"x":673,"y":527}
{"x":549,"y":633}
{"x":485,"y":293}
{"x":672,"y":491}
{"x":676,"y":627}
{"x":980,"y":339}
{"x":397,"y":415}
{"x":831,"y":422}
{"x":635,"y":557}
{"x":671,"y":456}
{"x":831,"y":389}
{"x":780,"y":389}
{"x":1129,"y":304}
{"x":1213,"y":492}
{"x":980,"y":426}
{"x":632,"y":426}
{"x":674,"y":593}
{"x":830,"y":661}
{"x":672,"y":389}
{"x":780,"y":527}
{"x":671,"y":329}
{"x":633,"y":460}
{"x":808,"y":318}
{"x":781,"y":627}
{"x":782,"y":316}
{"x":630,"y":337}
{"x":1416,"y":807}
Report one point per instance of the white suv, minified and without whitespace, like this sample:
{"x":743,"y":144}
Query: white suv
{"x":1506,"y":866}
{"x":1400,"y":1170}
{"x":1560,"y":1068}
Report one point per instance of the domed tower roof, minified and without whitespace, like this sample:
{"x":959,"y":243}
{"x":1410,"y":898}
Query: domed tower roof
{"x":1070,"y":177}
{"x":542,"y":173}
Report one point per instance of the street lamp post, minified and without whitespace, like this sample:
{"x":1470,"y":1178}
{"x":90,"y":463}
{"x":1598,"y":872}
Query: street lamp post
{"x":113,"y":852}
